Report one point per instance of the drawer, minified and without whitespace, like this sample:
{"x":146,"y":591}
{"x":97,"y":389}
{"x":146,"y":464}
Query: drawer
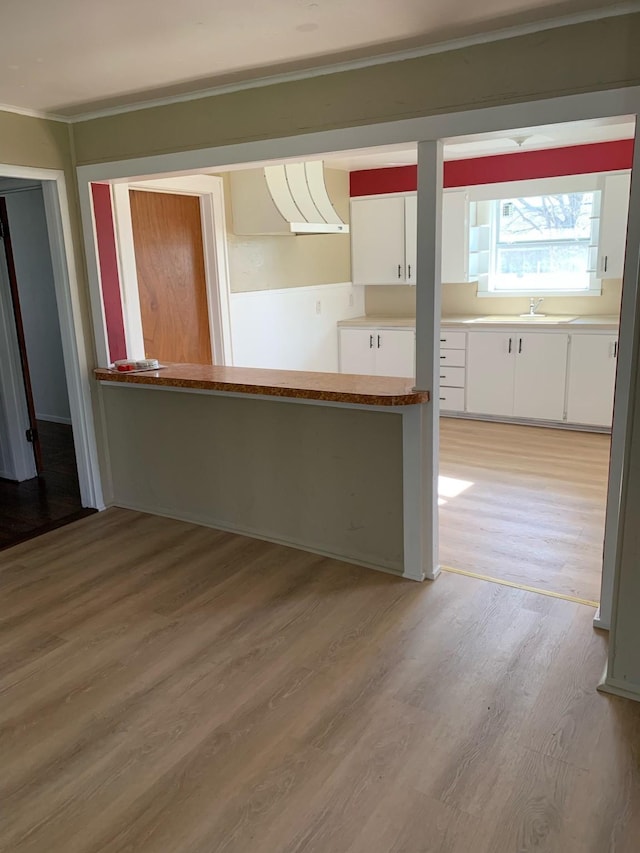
{"x":452,"y":399}
{"x":453,"y":340}
{"x":452,"y":377}
{"x":452,"y":358}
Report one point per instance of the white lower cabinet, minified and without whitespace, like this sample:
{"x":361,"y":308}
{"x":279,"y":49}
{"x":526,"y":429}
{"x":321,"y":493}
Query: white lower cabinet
{"x":592,"y":379}
{"x":490,"y":373}
{"x":540,"y":376}
{"x":517,"y":375}
{"x":378,"y":352}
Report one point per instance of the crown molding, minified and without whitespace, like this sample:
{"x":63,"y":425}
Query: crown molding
{"x":502,"y":34}
{"x":25,"y":111}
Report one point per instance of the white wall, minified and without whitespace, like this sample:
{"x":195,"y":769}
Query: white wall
{"x":293,"y":328}
{"x":34,"y":272}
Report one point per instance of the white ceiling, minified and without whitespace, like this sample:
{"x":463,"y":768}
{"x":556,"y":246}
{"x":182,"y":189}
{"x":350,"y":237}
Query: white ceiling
{"x":70,"y":56}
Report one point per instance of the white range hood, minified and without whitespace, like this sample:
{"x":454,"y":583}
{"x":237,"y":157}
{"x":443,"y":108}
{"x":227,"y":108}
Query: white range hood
{"x":289,"y":198}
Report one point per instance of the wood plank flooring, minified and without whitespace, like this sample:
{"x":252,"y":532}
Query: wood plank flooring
{"x":532,"y":504}
{"x":166,"y":688}
{"x":30,"y":508}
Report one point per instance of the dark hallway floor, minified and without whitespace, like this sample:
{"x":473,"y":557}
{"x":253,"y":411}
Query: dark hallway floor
{"x":35,"y":506}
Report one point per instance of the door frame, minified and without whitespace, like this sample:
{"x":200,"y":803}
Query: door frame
{"x":9,"y":263}
{"x":430,"y":131}
{"x":77,"y":362}
{"x":18,"y":455}
{"x":209,"y":189}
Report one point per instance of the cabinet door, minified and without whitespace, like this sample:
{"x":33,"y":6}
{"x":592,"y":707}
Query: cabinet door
{"x":455,"y":236}
{"x":358,"y":351}
{"x":613,"y":226}
{"x":395,"y":352}
{"x":410,"y":237}
{"x":592,"y":378}
{"x":490,"y":373}
{"x":540,"y":376}
{"x":377,"y":240}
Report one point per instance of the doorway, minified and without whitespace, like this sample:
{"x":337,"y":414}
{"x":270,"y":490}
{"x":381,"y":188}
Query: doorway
{"x":525,"y":446}
{"x":39,"y":484}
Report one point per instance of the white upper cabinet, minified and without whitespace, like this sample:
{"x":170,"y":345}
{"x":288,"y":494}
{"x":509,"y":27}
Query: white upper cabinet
{"x":614,"y":211}
{"x":592,"y":378}
{"x":383,"y":240}
{"x":455,"y":236}
{"x":410,"y":237}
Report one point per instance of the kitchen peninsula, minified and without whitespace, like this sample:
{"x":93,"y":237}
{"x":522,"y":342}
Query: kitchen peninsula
{"x":322,"y":462}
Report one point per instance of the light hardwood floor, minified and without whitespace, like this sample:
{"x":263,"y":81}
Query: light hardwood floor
{"x":534,"y":512}
{"x":167,"y":688}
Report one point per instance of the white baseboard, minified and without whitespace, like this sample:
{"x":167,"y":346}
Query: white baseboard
{"x":54,"y":419}
{"x":495,"y":419}
{"x":257,"y":534}
{"x":600,"y":623}
{"x":618,"y":688}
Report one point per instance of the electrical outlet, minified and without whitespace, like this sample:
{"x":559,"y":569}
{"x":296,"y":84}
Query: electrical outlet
{"x":318,"y":307}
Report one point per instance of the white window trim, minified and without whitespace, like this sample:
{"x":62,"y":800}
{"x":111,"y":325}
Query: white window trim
{"x":538,"y":186}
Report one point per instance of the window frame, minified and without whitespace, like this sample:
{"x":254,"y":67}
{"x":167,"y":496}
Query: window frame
{"x":523,"y":189}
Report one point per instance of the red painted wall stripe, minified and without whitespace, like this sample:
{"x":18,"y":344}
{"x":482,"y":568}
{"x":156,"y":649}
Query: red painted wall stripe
{"x":519,"y":166}
{"x":109,"y":273}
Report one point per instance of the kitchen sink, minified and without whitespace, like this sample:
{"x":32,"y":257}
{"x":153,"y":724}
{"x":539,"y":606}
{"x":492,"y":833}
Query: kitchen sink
{"x":528,"y":318}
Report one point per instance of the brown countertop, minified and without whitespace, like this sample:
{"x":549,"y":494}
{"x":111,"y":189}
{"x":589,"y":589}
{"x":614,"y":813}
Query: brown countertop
{"x":331,"y":387}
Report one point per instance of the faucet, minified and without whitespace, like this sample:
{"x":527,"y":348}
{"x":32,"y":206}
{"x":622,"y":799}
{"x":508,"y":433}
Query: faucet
{"x":534,"y":304}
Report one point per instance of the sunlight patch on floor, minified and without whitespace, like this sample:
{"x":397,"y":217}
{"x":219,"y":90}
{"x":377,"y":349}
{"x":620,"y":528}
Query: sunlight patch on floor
{"x":451,"y":487}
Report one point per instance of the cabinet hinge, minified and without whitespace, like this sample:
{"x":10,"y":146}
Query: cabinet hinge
{"x":31,"y":435}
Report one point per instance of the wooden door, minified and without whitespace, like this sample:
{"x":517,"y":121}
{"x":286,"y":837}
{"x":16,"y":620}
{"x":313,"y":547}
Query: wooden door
{"x":167,"y":238}
{"x":377,"y":240}
{"x":541,"y":376}
{"x":592,"y":379}
{"x":490,"y":373}
{"x":396,"y":352}
{"x":357,"y":351}
{"x":5,"y":236}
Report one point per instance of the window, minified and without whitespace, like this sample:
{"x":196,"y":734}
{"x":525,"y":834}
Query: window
{"x":537,"y":244}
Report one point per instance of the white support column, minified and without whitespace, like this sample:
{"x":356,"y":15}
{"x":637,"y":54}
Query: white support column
{"x":416,"y":495}
{"x":624,"y":394}
{"x":623,"y":668}
{"x":427,"y":427}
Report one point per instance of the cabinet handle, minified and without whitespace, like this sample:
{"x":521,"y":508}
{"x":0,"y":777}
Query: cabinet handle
{"x":520,"y":345}
{"x":510,"y":344}
{"x":443,"y":376}
{"x":399,"y":270}
{"x":606,"y":261}
{"x":370,"y":341}
{"x":409,"y":276}
{"x":443,"y":356}
{"x":378,"y":341}
{"x":615,"y":349}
